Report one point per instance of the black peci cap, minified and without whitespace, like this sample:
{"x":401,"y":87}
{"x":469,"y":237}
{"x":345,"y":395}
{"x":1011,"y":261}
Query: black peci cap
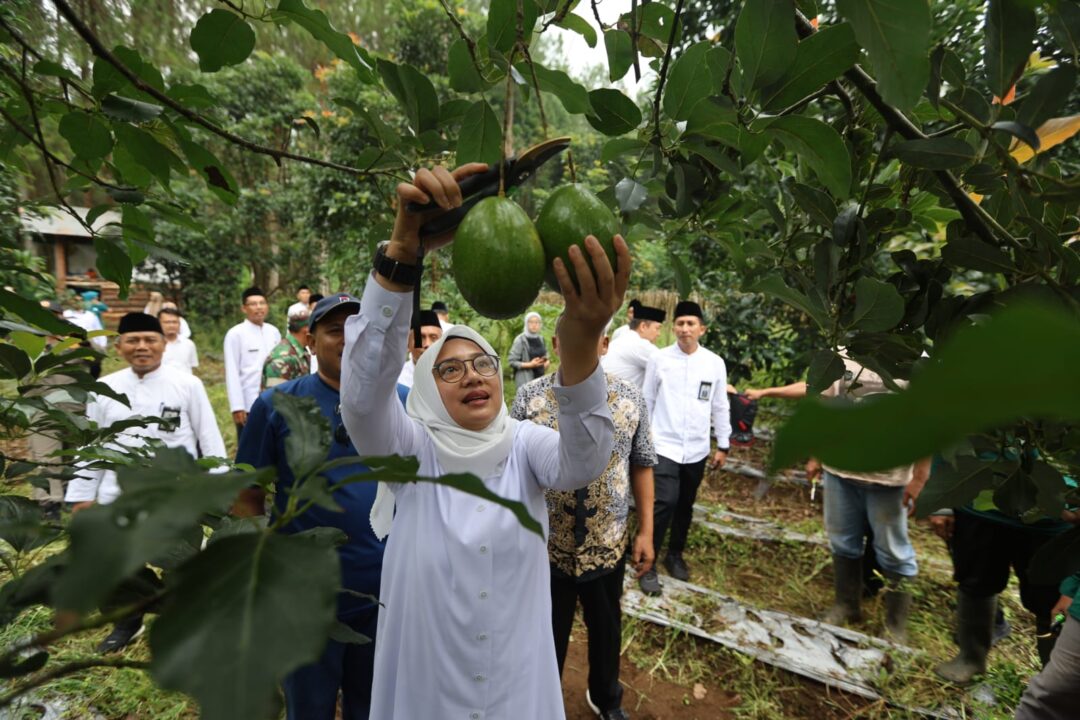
{"x":139,"y":322}
{"x":644,"y":312}
{"x":688,"y":307}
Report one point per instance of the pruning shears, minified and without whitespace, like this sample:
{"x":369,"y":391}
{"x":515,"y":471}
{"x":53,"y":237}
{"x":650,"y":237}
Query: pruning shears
{"x":475,"y":188}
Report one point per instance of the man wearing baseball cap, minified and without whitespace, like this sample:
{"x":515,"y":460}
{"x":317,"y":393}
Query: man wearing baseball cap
{"x":311,"y":691}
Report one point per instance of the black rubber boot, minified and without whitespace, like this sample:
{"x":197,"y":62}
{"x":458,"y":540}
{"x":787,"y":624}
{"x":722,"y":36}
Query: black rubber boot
{"x":897,"y":606}
{"x":974,"y":629}
{"x":847,"y":580}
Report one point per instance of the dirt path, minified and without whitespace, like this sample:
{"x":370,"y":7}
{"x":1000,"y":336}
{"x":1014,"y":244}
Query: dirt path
{"x":645,"y":697}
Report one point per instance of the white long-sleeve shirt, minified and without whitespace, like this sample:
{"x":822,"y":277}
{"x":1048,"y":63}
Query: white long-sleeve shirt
{"x":166,"y":393}
{"x":684,"y":394}
{"x":246,"y":348}
{"x":465,"y":619}
{"x":181,"y":354}
{"x":628,"y":357}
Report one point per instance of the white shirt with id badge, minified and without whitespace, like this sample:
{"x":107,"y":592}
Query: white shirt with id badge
{"x":686,"y":394}
{"x":177,"y":397}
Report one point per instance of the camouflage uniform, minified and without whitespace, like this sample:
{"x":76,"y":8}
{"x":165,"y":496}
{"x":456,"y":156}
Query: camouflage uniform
{"x":287,"y":361}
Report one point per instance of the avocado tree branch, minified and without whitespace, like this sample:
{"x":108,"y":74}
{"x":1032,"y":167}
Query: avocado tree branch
{"x":978,"y":220}
{"x":99,"y":50}
{"x":664,"y":70}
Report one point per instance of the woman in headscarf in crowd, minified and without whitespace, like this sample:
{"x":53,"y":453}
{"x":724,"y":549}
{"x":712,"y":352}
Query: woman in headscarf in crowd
{"x":464,"y":627}
{"x":528,"y":355}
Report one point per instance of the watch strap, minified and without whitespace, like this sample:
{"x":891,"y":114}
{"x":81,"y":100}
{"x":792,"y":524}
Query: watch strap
{"x":395,"y":270}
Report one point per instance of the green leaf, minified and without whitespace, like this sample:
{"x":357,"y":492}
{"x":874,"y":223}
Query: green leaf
{"x":943,"y":153}
{"x":107,"y":79}
{"x":30,"y":311}
{"x":88,"y":137}
{"x":481,"y":135}
{"x":878,"y":306}
{"x":819,"y":146}
{"x":719,"y":61}
{"x":308,"y":440}
{"x":820,"y":59}
{"x":630,"y":194}
{"x":617,"y":147}
{"x":954,"y":487}
{"x":414,"y":91}
{"x":159,"y":504}
{"x":774,"y":285}
{"x":982,"y":374}
{"x":128,"y":110}
{"x":581,"y":26}
{"x":113,"y":262}
{"x":217,"y":176}
{"x":765,"y":40}
{"x":147,"y":151}
{"x":342,"y":633}
{"x":896,"y":36}
{"x":1064,"y":23}
{"x":22,"y":525}
{"x":714,"y":117}
{"x":221,"y":38}
{"x":682,"y":275}
{"x":1047,"y":97}
{"x":55,"y":69}
{"x":689,"y":81}
{"x":194,"y":96}
{"x":620,"y":53}
{"x":385,"y":135}
{"x":826,"y":367}
{"x":259,"y":605}
{"x":464,"y":77}
{"x":502,"y":23}
{"x":1019,"y":131}
{"x":319,"y":27}
{"x":14,"y":363}
{"x":968,"y":251}
{"x":573,"y":96}
{"x":816,"y":203}
{"x":613,"y":112}
{"x":1010,"y":30}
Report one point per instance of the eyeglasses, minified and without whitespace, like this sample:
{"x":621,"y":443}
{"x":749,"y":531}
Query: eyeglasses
{"x":453,"y":370}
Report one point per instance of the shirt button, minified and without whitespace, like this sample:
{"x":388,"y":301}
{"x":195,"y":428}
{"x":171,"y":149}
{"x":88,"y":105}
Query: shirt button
{"x":564,"y":399}
{"x":483,"y":595}
{"x":480,"y":508}
{"x":387,"y":311}
{"x":474,"y":716}
{"x":478,"y":678}
{"x":482,"y":637}
{"x":483,"y":549}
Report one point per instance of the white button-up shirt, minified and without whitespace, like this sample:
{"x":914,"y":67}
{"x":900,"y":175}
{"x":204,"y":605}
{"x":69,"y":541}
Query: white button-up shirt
{"x":465,"y":619}
{"x":684,"y":393}
{"x":246,"y":348}
{"x":628,"y":357}
{"x":181,"y":354}
{"x":167,"y":393}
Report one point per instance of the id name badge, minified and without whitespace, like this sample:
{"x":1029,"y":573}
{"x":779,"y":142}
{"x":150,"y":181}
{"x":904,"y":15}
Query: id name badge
{"x":171,"y":418}
{"x":704,"y":391}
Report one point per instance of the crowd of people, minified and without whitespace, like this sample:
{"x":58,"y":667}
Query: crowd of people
{"x":608,"y":453}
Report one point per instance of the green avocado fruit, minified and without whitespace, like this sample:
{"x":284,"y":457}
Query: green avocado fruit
{"x":569,"y":214}
{"x":498,"y":259}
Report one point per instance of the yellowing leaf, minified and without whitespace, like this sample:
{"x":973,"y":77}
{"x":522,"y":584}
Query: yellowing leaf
{"x":1052,"y":132}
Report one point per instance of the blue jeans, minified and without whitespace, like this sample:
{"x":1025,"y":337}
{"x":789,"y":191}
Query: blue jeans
{"x":311,"y":691}
{"x":851,"y":507}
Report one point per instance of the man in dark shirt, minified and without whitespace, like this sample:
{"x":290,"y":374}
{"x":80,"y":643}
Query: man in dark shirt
{"x":311,"y":691}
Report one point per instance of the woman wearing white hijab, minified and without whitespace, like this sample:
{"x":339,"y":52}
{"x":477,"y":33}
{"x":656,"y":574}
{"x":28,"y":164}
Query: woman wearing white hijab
{"x":528,"y":354}
{"x":465,"y":625}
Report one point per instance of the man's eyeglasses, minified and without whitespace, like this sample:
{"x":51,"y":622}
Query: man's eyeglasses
{"x":453,"y":370}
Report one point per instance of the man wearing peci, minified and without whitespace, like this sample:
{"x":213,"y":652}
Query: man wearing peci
{"x":628,"y":357}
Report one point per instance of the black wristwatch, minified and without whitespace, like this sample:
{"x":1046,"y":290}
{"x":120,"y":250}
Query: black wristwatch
{"x":394,"y":270}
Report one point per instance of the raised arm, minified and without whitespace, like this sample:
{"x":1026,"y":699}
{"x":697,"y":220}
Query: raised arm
{"x":375,"y":341}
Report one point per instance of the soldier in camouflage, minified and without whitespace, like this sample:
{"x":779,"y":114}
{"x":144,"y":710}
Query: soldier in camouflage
{"x":289,"y":359}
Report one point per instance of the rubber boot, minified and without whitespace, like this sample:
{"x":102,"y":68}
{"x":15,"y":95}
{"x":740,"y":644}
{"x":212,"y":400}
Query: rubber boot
{"x":847,"y":580}
{"x":897,"y":606}
{"x":974,"y":629}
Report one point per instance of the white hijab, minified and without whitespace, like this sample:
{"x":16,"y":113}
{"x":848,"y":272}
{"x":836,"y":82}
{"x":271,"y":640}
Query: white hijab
{"x":480,"y":452}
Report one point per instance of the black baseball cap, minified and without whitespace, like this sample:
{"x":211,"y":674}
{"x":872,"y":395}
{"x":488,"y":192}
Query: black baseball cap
{"x":332,"y":302}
